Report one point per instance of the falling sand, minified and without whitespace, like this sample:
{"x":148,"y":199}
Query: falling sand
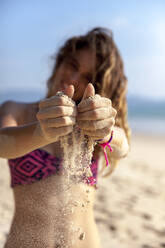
{"x":77,"y":155}
{"x":56,"y":211}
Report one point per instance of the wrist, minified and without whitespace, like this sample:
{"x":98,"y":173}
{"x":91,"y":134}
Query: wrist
{"x":107,"y":144}
{"x":38,"y":135}
{"x":105,"y":139}
{"x":119,"y":143}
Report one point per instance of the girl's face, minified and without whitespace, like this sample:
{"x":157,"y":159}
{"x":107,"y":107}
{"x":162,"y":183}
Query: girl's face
{"x":76,"y":70}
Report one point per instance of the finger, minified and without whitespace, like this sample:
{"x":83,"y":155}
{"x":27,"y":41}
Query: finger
{"x":60,"y":121}
{"x":89,"y":91}
{"x":60,"y":131}
{"x":56,"y":101}
{"x":97,"y":114}
{"x":95,"y":125}
{"x":93,"y":104}
{"x":56,"y":111}
{"x":100,"y":134}
{"x":69,"y":91}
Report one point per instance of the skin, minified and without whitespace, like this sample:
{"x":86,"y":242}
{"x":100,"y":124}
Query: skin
{"x":75,"y":72}
{"x":37,"y":208}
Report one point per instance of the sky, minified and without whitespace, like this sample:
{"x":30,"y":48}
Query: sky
{"x":32,"y":31}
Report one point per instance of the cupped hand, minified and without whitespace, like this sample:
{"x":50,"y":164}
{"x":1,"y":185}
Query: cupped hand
{"x":96,"y":116}
{"x":57,"y":115}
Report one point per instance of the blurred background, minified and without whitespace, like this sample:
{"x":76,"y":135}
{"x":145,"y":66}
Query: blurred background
{"x":31,"y":32}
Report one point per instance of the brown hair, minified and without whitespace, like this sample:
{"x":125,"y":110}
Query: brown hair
{"x":109,"y":79}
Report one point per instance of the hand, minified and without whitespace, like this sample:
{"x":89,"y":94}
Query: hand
{"x":96,"y":116}
{"x":57,"y":115}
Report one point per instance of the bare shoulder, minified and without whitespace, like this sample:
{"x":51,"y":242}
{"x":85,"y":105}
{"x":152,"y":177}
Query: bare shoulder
{"x":14,"y":113}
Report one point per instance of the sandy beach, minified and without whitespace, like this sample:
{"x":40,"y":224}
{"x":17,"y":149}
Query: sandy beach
{"x":130,"y":206}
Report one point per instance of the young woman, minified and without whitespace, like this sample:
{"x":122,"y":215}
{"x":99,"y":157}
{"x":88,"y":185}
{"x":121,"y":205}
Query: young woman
{"x":30,"y":133}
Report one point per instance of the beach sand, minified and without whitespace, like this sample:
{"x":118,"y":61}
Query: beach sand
{"x":130,"y":206}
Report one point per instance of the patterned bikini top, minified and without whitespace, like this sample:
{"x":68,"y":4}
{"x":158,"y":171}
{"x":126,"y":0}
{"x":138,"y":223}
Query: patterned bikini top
{"x":40,"y":164}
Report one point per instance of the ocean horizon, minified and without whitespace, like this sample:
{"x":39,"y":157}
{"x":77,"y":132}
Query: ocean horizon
{"x":145,"y":116}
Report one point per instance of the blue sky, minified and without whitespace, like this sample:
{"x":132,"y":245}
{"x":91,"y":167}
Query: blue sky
{"x":31,"y":31}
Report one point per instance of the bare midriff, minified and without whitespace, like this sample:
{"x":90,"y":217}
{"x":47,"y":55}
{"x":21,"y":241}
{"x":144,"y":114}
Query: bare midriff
{"x":39,"y":218}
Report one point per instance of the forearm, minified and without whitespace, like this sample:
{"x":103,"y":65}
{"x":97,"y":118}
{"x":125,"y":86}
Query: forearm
{"x":119,"y":143}
{"x":19,"y":140}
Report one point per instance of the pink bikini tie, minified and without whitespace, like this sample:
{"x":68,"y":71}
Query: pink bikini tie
{"x":104,"y":145}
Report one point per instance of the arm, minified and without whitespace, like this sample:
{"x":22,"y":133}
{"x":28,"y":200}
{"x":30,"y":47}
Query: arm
{"x":119,"y":143}
{"x":15,"y":141}
{"x":97,"y":119}
{"x":55,"y":118}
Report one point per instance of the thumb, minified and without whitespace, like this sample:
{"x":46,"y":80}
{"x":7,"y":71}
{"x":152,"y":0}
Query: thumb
{"x":69,"y":91}
{"x":89,"y":91}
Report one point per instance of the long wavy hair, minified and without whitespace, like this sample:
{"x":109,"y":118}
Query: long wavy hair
{"x":108,"y":79}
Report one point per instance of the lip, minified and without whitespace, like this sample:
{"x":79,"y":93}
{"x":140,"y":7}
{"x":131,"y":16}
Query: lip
{"x":61,"y":89}
{"x":63,"y":86}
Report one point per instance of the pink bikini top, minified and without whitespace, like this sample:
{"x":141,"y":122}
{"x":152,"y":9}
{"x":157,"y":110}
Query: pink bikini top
{"x":40,"y":164}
